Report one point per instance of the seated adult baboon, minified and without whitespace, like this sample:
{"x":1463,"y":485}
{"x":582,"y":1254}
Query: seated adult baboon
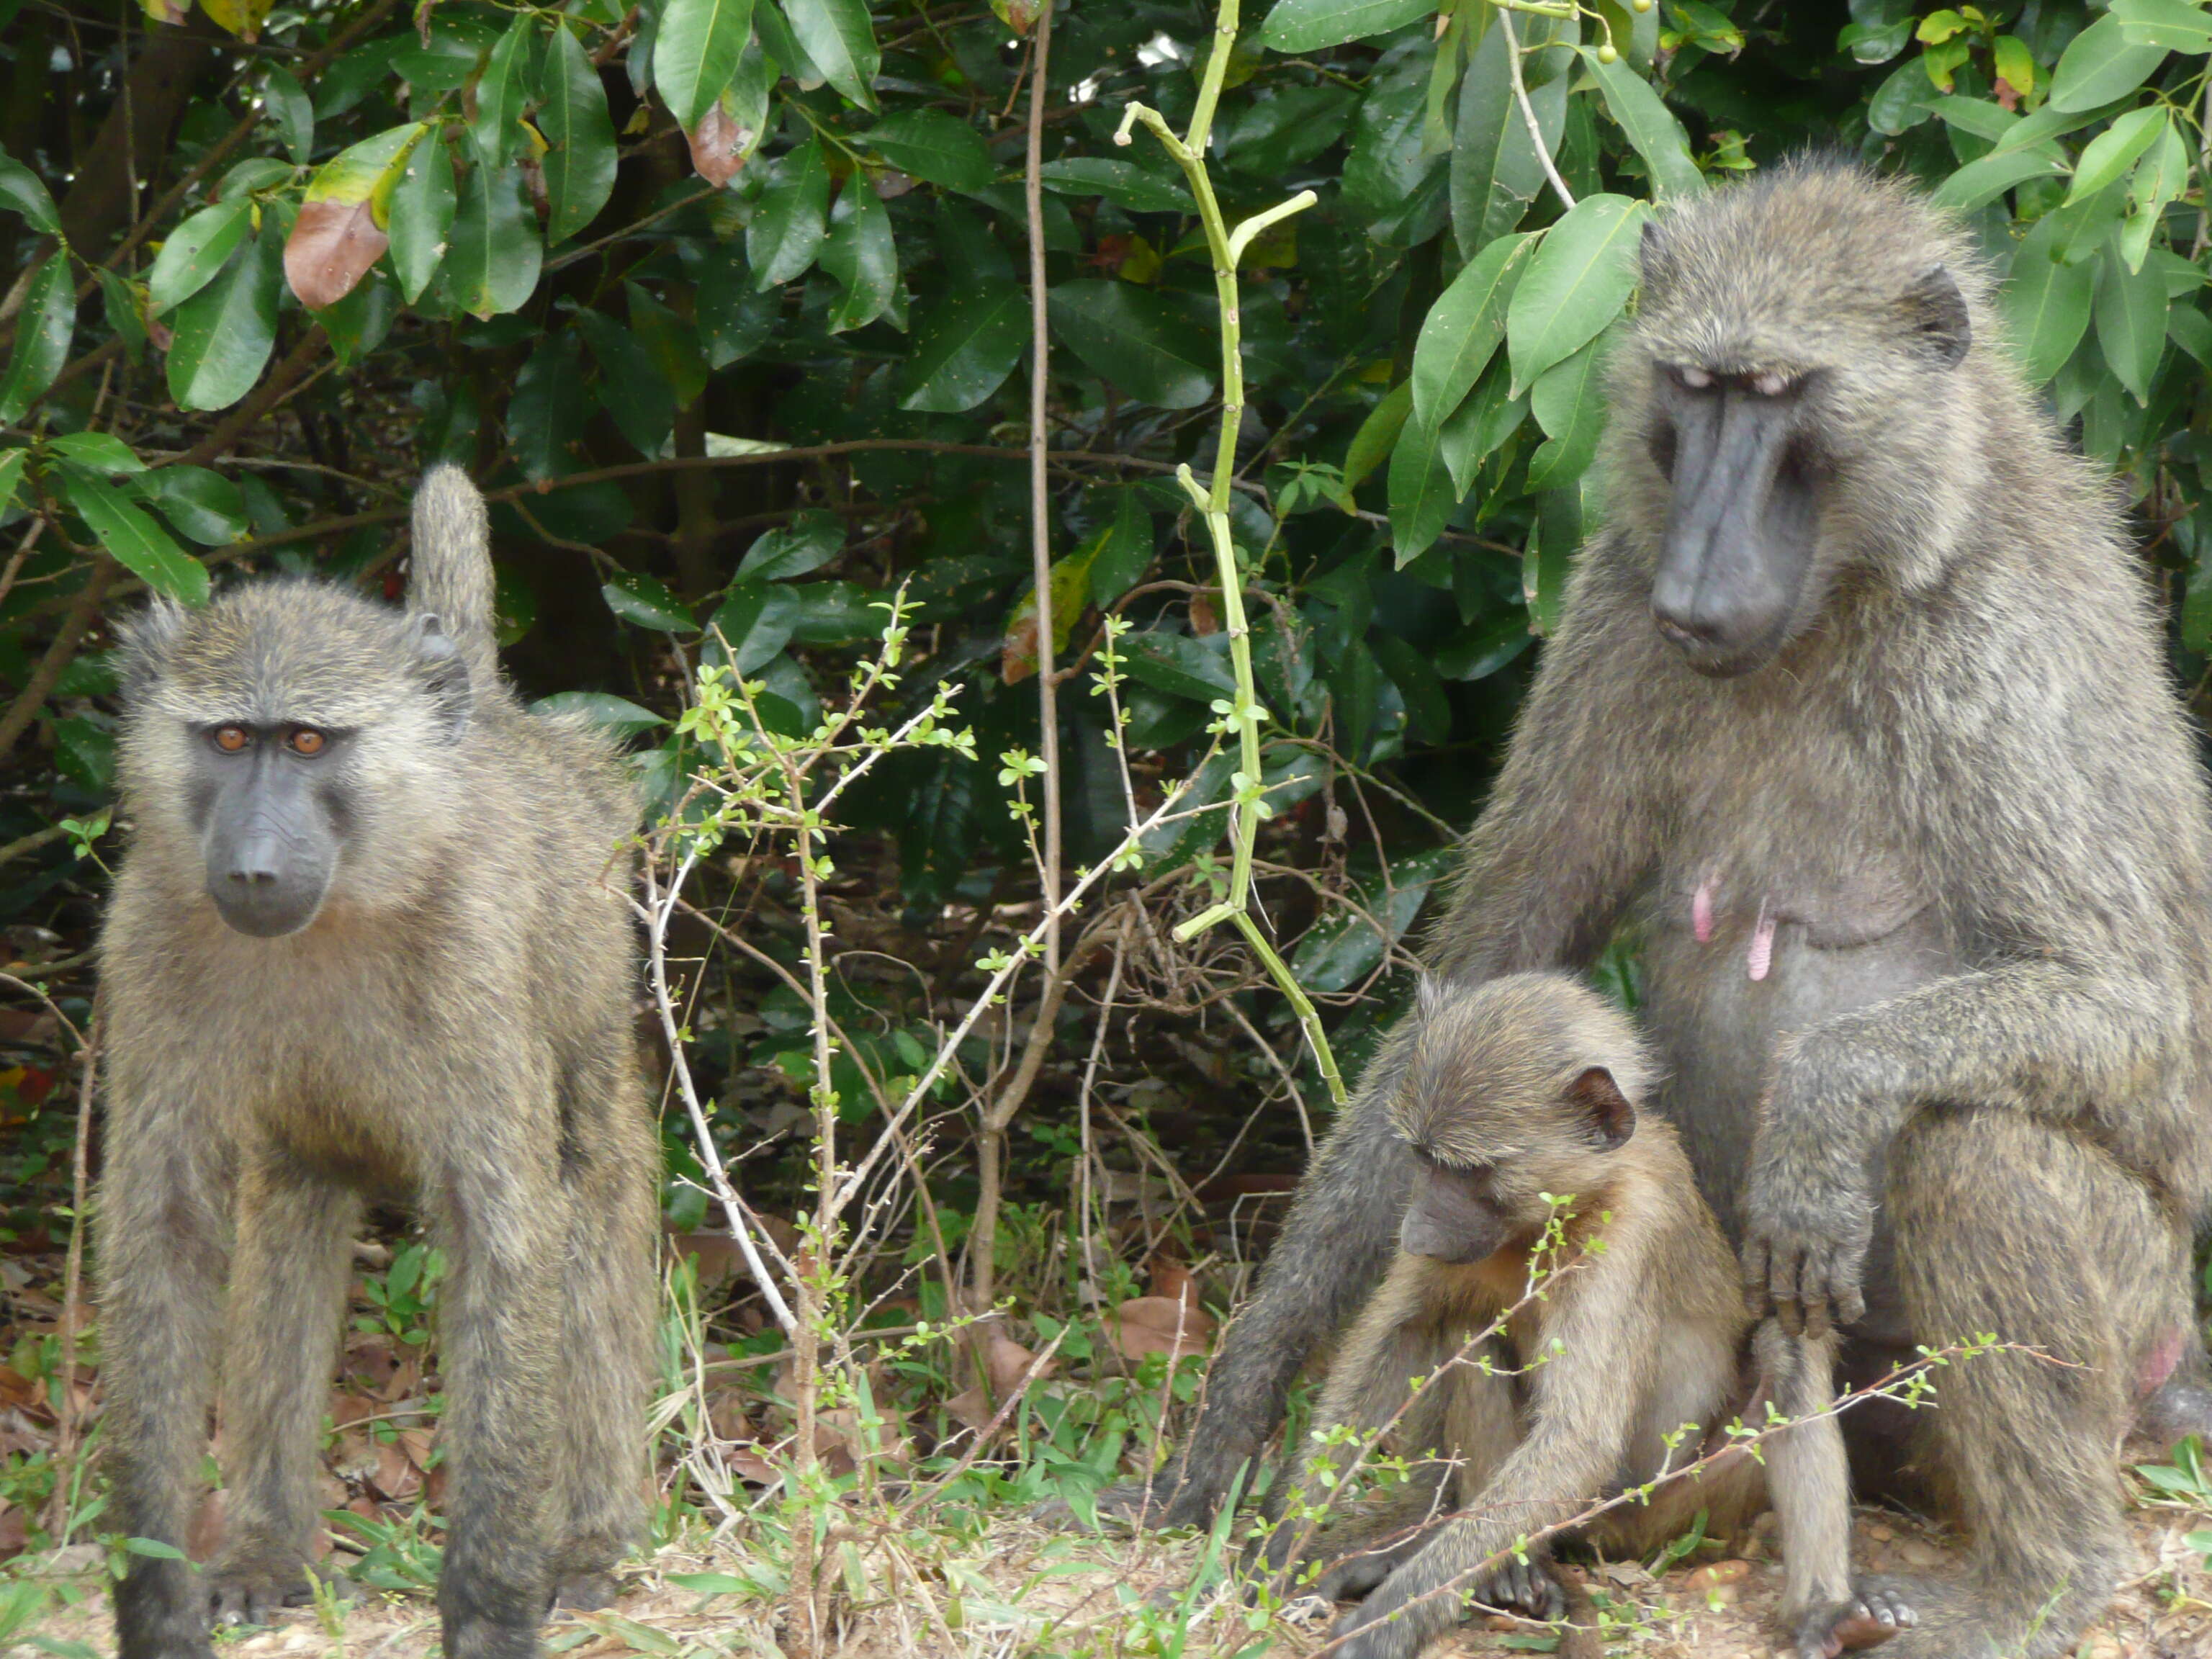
{"x":1620,"y":1345}
{"x":372,"y":938}
{"x":1857,"y":707}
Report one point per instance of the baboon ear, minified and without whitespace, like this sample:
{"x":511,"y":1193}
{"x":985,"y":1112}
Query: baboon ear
{"x":1598,"y":1097}
{"x":1938,"y":312}
{"x":147,"y":639}
{"x":444,"y":670}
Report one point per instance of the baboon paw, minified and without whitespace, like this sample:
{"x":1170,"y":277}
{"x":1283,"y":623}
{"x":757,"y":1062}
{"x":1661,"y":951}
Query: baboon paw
{"x":253,"y":1598}
{"x":585,"y":1592}
{"x":1350,"y":1579}
{"x":1526,"y":1588}
{"x":2175,"y":1408}
{"x":1365,"y":1633}
{"x":481,"y":1639}
{"x":1873,"y":1614}
{"x":1153,"y":1505}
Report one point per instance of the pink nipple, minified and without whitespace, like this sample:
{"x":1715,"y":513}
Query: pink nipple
{"x":1760,"y":957}
{"x":1701,"y":912}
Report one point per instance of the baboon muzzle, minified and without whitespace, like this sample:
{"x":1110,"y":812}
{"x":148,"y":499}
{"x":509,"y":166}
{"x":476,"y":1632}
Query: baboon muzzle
{"x":1739,"y":531}
{"x":269,"y":853}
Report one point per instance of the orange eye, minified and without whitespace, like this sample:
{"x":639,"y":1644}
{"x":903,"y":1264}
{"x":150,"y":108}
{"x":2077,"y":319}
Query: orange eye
{"x":307,"y":741}
{"x":232,"y":738}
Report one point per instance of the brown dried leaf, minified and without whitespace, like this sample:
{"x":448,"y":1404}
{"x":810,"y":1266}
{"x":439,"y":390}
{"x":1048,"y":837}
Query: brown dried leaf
{"x":1017,"y":658}
{"x":1203,"y":621}
{"x":205,"y":1535}
{"x":331,"y":247}
{"x":1005,"y":1363}
{"x":718,"y":146}
{"x":395,"y":1476}
{"x":1159,"y":1324}
{"x":15,"y":1532}
{"x":841,"y":1441}
{"x":747,"y":1463}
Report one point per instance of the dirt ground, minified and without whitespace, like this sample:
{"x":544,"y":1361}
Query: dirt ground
{"x":1023,"y":1590}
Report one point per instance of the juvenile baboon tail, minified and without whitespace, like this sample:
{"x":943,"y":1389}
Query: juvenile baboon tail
{"x":449,"y":574}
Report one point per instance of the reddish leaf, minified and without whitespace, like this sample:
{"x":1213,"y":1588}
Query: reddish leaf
{"x":205,"y":1535}
{"x":396,"y":1475}
{"x":331,"y":249}
{"x":718,"y":146}
{"x":15,"y":1532}
{"x":1159,"y":1324}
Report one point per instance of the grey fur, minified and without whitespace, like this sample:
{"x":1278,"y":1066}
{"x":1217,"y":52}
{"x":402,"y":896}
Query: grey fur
{"x":453,"y":1027}
{"x":1963,"y":795}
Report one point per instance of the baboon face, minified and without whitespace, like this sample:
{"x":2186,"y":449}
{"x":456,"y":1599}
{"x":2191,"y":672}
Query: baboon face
{"x":274,"y":733}
{"x":1516,"y":1089}
{"x":1791,"y":389}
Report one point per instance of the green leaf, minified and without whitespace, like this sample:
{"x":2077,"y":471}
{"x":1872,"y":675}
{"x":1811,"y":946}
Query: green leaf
{"x":1462,"y":329}
{"x":21,"y":190}
{"x":42,"y":332}
{"x":787,"y":230}
{"x":754,"y":624}
{"x":696,"y":51}
{"x":1298,"y":25}
{"x":1476,"y":430}
{"x":139,"y":544}
{"x":1577,"y":284}
{"x":2046,"y":303}
{"x":2159,"y":178}
{"x":1125,"y":553}
{"x":834,"y":613}
{"x":604,"y":709}
{"x":1651,"y":127}
{"x":11,"y":473}
{"x":631,"y":387}
{"x":1570,"y":401}
{"x":284,"y":103}
{"x":673,"y":343}
{"x":1495,"y":171}
{"x":222,"y":335}
{"x":1421,"y":493}
{"x":734,"y":320}
{"x":1152,"y":348}
{"x":2114,"y":150}
{"x":579,"y":166}
{"x":635,"y":597}
{"x":1901,"y":102}
{"x":121,"y":306}
{"x":838,"y":36}
{"x":96,"y":452}
{"x":2101,"y":65}
{"x":810,"y":541}
{"x":1180,"y":666}
{"x":195,"y":249}
{"x":964,"y":347}
{"x":1427,"y":709}
{"x":500,"y":92}
{"x":859,"y":253}
{"x":253,"y":175}
{"x":2170,"y":25}
{"x":544,"y":418}
{"x":1378,"y":434}
{"x":201,"y":504}
{"x":1979,"y":182}
{"x":495,"y":256}
{"x":1122,"y":183}
{"x":423,"y":205}
{"x":934,"y":147}
{"x":2130,"y":312}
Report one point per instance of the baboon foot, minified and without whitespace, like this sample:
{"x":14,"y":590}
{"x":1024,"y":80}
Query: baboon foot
{"x":585,"y":1592}
{"x":1152,"y":1505}
{"x":2177,"y":1407}
{"x":253,"y":1595}
{"x":151,"y":1624}
{"x":1876,"y":1612}
{"x":1526,"y":1588}
{"x":1355,"y":1576}
{"x":480,"y":1638}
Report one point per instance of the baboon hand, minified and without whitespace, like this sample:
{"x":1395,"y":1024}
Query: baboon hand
{"x":1808,"y":1222}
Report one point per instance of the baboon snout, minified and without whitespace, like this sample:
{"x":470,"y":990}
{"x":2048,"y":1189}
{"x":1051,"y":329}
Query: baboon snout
{"x":264,"y":882}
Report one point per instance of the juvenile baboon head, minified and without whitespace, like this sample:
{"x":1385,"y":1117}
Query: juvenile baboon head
{"x":1804,"y":394}
{"x":295,"y":740}
{"x":1521,"y":1086}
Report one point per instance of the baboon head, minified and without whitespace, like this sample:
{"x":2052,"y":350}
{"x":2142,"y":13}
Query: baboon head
{"x":295,"y":740}
{"x":1521,"y":1086}
{"x":1799,"y":397}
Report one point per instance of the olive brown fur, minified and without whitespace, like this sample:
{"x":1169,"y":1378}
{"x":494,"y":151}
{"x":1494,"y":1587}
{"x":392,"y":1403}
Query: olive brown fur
{"x":1857,"y":710}
{"x":1561,"y":1375}
{"x":371,"y":940}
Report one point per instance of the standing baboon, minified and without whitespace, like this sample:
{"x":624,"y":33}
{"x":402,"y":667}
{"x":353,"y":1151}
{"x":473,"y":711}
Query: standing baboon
{"x":371,"y":940}
{"x":1857,"y":707}
{"x":1521,"y":1096}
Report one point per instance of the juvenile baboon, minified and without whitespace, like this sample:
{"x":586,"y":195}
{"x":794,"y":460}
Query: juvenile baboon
{"x":370,"y":939}
{"x":1857,"y":709}
{"x":1517,"y":1092}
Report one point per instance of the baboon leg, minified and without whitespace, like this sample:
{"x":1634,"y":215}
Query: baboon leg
{"x":163,"y":1255}
{"x":1366,"y":1547}
{"x":1335,"y":1244}
{"x":287,"y":1285}
{"x":499,"y":1330}
{"x":2007,"y":1227}
{"x":609,"y":1296}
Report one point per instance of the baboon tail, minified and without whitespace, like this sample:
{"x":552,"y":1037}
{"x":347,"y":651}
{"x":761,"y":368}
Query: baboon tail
{"x":450,"y":573}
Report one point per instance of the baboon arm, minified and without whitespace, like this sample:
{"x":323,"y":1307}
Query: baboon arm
{"x":2060,"y":1041}
{"x":1571,"y":825}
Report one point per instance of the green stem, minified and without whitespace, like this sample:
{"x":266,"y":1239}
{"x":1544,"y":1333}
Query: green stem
{"x":1227,"y":247}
